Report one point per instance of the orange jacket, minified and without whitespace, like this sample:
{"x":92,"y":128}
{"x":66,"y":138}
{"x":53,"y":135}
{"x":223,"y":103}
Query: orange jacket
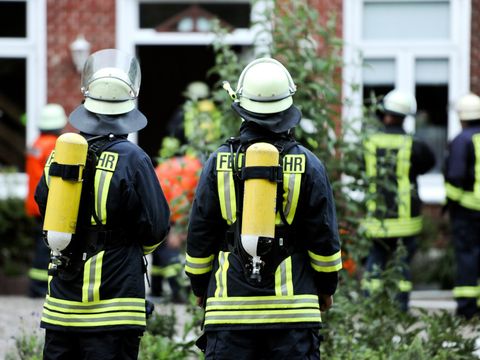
{"x":178,"y":177}
{"x":37,"y":156}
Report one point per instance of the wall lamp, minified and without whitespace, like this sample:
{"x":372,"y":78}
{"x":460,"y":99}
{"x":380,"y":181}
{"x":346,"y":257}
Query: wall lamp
{"x":80,"y":49}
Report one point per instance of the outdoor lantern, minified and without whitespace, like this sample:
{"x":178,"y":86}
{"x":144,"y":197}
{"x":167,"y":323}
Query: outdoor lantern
{"x":80,"y":50}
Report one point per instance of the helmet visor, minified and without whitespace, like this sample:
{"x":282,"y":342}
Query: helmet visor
{"x":126,"y":66}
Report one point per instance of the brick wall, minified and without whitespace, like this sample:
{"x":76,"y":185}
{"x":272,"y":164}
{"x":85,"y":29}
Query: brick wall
{"x":66,"y":19}
{"x":475,"y":48}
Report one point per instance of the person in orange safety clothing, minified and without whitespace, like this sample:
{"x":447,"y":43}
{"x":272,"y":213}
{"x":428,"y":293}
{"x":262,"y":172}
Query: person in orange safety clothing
{"x":52,"y":121}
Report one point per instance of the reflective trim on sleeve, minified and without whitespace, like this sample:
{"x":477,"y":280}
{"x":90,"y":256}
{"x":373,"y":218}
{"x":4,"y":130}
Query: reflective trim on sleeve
{"x":392,"y":227}
{"x":198,"y":266}
{"x":166,"y":271}
{"x":92,"y":278}
{"x":149,"y":249}
{"x":103,"y":175}
{"x":466,"y":291}
{"x":221,"y":275}
{"x":283,"y":278}
{"x":326,"y":263}
{"x":405,"y":286}
{"x":38,"y":274}
{"x":453,"y":193}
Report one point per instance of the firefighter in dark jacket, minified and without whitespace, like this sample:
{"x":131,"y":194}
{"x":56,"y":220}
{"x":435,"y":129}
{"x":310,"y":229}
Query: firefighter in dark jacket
{"x":263,"y":301}
{"x":462,"y":177}
{"x":95,"y":307}
{"x":393,"y":160}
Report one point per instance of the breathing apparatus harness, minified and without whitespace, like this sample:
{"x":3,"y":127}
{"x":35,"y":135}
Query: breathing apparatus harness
{"x":273,"y":250}
{"x":94,"y":237}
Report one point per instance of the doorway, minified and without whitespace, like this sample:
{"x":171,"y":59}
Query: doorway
{"x":166,"y":71}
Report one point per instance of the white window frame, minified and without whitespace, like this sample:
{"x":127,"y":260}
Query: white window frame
{"x":456,"y":50}
{"x":33,"y":49}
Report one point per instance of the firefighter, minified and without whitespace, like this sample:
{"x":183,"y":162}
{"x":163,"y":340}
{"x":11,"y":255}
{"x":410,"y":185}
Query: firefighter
{"x":95,"y":307}
{"x":462,"y":177}
{"x":178,"y":177}
{"x":263,"y":290}
{"x":52,"y":121}
{"x":393,"y":211}
{"x":196,"y":125}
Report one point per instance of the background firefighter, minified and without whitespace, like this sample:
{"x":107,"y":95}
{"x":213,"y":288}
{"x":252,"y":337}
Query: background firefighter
{"x":52,"y":121}
{"x":95,"y":306}
{"x":276,"y":315}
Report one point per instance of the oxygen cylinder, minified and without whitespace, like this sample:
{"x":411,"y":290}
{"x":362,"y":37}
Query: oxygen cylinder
{"x":259,"y":204}
{"x":65,"y":189}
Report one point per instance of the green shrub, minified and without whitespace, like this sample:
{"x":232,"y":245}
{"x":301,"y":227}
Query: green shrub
{"x":16,"y":234}
{"x":27,"y":347}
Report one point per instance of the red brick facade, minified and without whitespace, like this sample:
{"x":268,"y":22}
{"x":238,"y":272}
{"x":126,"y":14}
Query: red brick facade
{"x":66,"y":20}
{"x":475,"y":48}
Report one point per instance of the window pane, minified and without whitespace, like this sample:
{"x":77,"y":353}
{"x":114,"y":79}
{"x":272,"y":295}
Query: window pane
{"x":13,"y":19}
{"x":431,"y":92}
{"x":12,"y":110}
{"x":234,"y":14}
{"x":401,"y":20}
{"x":378,"y":71}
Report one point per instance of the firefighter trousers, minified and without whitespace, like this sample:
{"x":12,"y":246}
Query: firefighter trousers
{"x":466,"y":241}
{"x":98,"y":345}
{"x":291,"y":344}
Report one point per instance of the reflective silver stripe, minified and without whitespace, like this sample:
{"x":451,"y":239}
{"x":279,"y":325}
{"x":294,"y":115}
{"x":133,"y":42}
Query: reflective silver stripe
{"x":104,"y":307}
{"x":92,"y":278}
{"x":99,"y":194}
{"x":326,"y":263}
{"x":228,"y":202}
{"x":313,"y":316}
{"x":221,"y":275}
{"x":283,"y":278}
{"x":198,"y":266}
{"x":279,"y":301}
{"x":90,"y":319}
{"x":290,"y":190}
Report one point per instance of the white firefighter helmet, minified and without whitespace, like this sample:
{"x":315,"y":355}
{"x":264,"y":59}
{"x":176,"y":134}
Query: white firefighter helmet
{"x":468,"y":107}
{"x":52,"y":117}
{"x":265,"y":87}
{"x":110,"y":82}
{"x":197,"y":90}
{"x":399,"y":103}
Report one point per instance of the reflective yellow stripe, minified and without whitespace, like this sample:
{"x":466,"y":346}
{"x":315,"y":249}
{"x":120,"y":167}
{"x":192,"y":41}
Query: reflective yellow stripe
{"x":198,"y":266}
{"x":50,"y":277}
{"x":372,"y":284}
{"x":405,"y":286}
{"x":404,"y":145}
{"x":167,"y":271}
{"x":47,"y":168}
{"x":149,"y":249}
{"x":92,"y":276}
{"x":392,"y":227}
{"x":226,"y":193}
{"x":326,"y":263}
{"x":93,"y":320}
{"x":100,"y":306}
{"x":283,"y":278}
{"x":221,"y":274}
{"x":262,"y":317}
{"x":38,"y":274}
{"x":403,"y":170}
{"x":470,"y":200}
{"x":453,"y":193}
{"x":476,"y":185}
{"x":103,"y":175}
{"x":466,"y":291}
{"x":262,"y":302}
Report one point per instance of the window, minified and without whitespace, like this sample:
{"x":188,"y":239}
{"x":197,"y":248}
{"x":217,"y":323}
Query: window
{"x":431,"y":91}
{"x":386,"y":20}
{"x":378,"y":78}
{"x":13,"y":19}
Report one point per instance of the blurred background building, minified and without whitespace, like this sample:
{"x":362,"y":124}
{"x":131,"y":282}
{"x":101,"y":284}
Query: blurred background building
{"x":430,"y":47}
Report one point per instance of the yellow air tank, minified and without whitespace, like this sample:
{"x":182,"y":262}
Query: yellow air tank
{"x":65,"y":189}
{"x":259,"y":202}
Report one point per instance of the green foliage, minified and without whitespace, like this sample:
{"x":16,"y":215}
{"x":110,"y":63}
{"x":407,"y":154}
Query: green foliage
{"x":16,"y":237}
{"x":27,"y":347}
{"x":157,"y":347}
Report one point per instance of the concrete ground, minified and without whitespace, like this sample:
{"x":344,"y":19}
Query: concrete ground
{"x":22,"y":315}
